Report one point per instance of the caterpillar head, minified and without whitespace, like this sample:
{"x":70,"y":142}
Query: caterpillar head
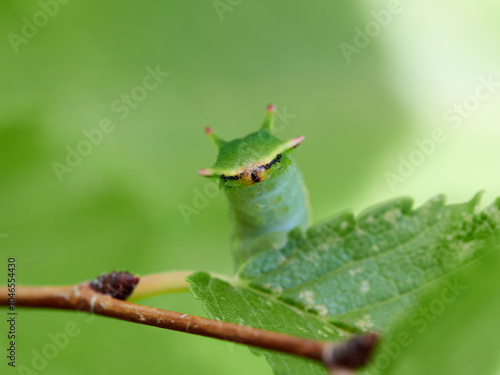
{"x":251,"y":159}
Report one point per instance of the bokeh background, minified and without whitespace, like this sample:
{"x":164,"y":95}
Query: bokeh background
{"x":119,"y":207}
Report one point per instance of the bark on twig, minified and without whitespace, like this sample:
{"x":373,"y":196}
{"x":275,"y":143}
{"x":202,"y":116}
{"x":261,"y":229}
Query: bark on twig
{"x":82,"y":297}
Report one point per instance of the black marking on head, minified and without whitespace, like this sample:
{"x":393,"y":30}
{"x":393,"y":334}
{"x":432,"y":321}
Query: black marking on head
{"x":272,"y":162}
{"x":225,"y":178}
{"x":255,"y":177}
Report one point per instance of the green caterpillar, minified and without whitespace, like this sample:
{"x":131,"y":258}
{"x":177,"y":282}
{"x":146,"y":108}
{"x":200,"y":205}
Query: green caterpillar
{"x":264,"y":187}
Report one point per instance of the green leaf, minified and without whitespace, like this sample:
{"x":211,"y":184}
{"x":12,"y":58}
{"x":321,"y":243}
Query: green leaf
{"x":455,"y":329}
{"x":232,"y":302}
{"x":349,"y":274}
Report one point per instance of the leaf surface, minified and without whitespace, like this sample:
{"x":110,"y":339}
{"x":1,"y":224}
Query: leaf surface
{"x":349,"y":274}
{"x":455,"y":328}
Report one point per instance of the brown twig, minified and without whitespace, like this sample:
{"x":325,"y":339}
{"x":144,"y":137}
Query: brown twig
{"x":83,"y":298}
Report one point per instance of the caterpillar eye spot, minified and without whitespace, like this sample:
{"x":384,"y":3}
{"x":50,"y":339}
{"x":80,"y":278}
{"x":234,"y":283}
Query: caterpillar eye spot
{"x":255,"y":177}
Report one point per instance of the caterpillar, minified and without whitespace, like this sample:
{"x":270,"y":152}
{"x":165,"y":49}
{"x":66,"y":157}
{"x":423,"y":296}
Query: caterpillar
{"x":264,"y":187}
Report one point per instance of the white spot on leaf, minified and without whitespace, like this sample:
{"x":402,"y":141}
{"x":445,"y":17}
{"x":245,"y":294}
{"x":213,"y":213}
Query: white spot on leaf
{"x":277,"y":289}
{"x":307,"y":296}
{"x":365,"y":286}
{"x":392,"y":215}
{"x":321,"y":309}
{"x":329,"y":329}
{"x":365,"y":323}
{"x":353,"y":272}
{"x":320,"y":332}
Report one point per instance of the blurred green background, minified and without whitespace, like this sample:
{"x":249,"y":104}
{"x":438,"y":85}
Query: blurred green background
{"x":119,"y":207}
